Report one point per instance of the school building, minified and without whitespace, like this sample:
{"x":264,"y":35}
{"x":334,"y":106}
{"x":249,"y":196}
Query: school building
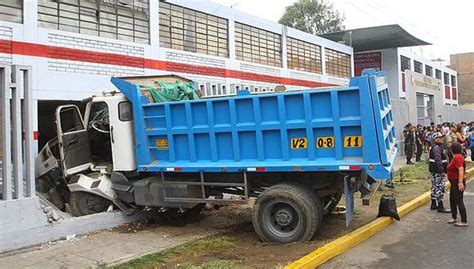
{"x":74,"y":47}
{"x":427,"y":86}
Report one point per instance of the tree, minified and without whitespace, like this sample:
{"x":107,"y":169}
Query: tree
{"x":313,"y":16}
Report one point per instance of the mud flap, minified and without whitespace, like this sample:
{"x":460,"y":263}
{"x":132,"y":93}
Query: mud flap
{"x":349,"y":190}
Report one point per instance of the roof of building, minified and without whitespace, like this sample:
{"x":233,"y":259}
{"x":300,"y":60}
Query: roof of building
{"x":377,"y":37}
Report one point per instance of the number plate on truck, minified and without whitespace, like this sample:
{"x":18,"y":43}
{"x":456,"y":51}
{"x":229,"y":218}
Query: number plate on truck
{"x":299,"y":143}
{"x":162,"y":144}
{"x":353,"y":141}
{"x":325,"y":142}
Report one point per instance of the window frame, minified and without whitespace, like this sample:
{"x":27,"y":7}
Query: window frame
{"x":454,"y":81}
{"x":303,"y":56}
{"x":417,"y":67}
{"x":446,"y":78}
{"x":194,"y":31}
{"x":102,"y":19}
{"x":430,"y":68}
{"x":337,"y":63}
{"x":407,"y":63}
{"x":119,"y":110}
{"x":14,"y":7}
{"x":257,"y":45}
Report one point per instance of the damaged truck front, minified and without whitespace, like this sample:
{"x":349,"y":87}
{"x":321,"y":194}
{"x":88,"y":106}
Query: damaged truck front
{"x":296,"y":152}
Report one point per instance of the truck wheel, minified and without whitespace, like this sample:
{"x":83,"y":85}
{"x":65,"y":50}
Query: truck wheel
{"x":287,"y":213}
{"x":84,"y":203}
{"x":330,"y":202}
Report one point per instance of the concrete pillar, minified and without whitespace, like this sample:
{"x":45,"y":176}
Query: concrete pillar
{"x":284,"y":54}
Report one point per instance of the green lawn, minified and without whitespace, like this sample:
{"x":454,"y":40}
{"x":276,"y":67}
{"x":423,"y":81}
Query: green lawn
{"x":208,"y":245}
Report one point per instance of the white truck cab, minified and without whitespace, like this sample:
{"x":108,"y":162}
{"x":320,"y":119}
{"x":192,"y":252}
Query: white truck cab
{"x":87,"y":149}
{"x":102,"y":140}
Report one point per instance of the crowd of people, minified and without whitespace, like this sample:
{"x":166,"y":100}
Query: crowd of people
{"x":447,"y":146}
{"x":418,"y":139}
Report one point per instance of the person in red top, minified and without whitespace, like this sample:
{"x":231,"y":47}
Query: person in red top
{"x":457,"y":178}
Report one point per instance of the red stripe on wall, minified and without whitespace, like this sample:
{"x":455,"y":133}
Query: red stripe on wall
{"x":29,"y":49}
{"x":54,"y":52}
{"x":5,"y":46}
{"x":95,"y":57}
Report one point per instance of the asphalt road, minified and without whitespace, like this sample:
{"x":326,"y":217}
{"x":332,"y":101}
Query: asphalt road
{"x":422,"y":239}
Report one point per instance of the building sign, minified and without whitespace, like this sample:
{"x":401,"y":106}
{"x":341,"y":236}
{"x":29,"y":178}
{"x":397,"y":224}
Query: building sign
{"x":367,"y":60}
{"x":426,"y":82}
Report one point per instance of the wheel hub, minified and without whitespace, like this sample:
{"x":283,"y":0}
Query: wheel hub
{"x":284,"y":217}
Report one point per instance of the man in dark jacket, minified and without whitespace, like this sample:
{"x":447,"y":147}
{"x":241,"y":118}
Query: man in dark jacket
{"x":438,"y":168}
{"x":410,"y":138}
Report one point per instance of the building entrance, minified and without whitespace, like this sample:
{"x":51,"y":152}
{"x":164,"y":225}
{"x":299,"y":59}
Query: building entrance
{"x":424,"y":108}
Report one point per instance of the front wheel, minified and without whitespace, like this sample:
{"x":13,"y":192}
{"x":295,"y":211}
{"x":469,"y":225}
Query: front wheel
{"x":84,"y":203}
{"x":287,"y":213}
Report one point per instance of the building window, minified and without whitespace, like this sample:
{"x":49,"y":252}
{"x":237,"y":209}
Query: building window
{"x":123,"y":20}
{"x":405,"y":63}
{"x":447,"y":92}
{"x":338,"y":64}
{"x":455,"y":94}
{"x":11,"y":10}
{"x":446,"y":78}
{"x":257,"y":46}
{"x":438,"y":74}
{"x":303,"y":56}
{"x":453,"y":81}
{"x":418,"y":67}
{"x":194,"y":31}
{"x":428,"y":70}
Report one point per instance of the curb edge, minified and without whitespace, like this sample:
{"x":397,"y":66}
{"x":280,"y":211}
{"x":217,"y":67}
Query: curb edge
{"x":352,"y":239}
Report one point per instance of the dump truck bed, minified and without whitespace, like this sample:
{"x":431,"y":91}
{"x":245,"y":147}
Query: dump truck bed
{"x":336,"y":129}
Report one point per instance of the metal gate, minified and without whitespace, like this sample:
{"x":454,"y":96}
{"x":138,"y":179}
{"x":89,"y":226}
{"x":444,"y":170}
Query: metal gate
{"x":17,"y":175}
{"x":23,"y":218}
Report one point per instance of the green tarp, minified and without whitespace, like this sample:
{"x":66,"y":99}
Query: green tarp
{"x":172,"y":92}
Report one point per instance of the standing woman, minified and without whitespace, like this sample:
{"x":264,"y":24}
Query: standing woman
{"x":457,"y":178}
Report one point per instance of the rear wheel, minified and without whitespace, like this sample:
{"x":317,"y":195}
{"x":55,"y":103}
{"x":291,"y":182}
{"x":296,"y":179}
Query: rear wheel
{"x":287,"y":213}
{"x":84,"y":203}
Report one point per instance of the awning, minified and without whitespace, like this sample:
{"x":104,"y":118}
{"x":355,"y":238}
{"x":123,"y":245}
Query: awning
{"x":374,"y":38}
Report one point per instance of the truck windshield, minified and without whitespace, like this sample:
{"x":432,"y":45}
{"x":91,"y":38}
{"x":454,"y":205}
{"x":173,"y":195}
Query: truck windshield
{"x":99,"y":117}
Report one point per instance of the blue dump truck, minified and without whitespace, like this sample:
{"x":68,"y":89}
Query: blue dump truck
{"x":296,"y":152}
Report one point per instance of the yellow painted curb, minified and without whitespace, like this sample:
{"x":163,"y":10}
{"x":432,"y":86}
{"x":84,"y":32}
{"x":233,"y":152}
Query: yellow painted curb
{"x":344,"y":243}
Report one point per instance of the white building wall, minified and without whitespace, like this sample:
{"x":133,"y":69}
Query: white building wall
{"x":390,"y":64}
{"x":71,"y":66}
{"x":436,"y":65}
{"x":66,"y":78}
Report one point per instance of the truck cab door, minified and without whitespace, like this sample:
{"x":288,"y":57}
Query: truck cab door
{"x":74,"y":149}
{"x":121,"y":133}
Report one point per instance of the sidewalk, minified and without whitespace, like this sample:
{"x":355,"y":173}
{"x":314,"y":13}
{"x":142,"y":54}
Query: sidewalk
{"x":98,"y":250}
{"x":422,"y":240}
{"x":120,"y":244}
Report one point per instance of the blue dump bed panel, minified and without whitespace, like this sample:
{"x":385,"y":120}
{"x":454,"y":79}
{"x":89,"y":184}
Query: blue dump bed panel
{"x":338,"y":129}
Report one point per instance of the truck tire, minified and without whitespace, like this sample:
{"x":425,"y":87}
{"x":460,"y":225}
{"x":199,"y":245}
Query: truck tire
{"x":335,"y":198}
{"x":286,"y":213}
{"x":84,"y":203}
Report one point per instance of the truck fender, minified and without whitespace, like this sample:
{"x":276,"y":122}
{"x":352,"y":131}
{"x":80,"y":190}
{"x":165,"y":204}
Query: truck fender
{"x":98,"y":184}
